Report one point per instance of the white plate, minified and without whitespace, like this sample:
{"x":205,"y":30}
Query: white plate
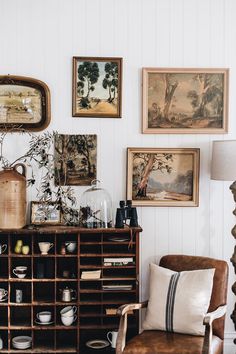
{"x":43,"y":323}
{"x":22,"y":347}
{"x":97,"y":344}
{"x":21,"y":340}
{"x":118,"y":239}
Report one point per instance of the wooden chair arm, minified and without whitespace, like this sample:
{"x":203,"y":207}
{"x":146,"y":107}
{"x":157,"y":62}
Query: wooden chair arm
{"x":207,"y":321}
{"x":123,"y":312}
{"x":211,"y":316}
{"x":130,"y":307}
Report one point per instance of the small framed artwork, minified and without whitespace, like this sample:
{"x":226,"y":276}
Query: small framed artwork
{"x":185,"y":101}
{"x":75,"y":159}
{"x":163,"y":177}
{"x":24,"y":103}
{"x":43,"y":213}
{"x":97,"y":87}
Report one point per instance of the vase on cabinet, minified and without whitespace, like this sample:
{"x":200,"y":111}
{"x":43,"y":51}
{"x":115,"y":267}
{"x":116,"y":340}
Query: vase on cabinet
{"x":13,"y":197}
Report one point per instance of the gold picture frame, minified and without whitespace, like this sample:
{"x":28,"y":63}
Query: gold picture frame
{"x":45,"y":213}
{"x":97,"y":87}
{"x":24,"y":103}
{"x":163,"y":176}
{"x":185,"y":101}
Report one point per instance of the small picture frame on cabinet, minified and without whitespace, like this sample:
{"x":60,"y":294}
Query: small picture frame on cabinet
{"x":45,"y":213}
{"x":24,"y":104}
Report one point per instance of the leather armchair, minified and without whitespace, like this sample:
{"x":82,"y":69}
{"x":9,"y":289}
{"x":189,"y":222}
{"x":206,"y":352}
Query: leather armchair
{"x":160,"y":342}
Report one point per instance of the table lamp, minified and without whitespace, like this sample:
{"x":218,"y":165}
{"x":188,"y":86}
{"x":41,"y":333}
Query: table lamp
{"x":223,"y":168}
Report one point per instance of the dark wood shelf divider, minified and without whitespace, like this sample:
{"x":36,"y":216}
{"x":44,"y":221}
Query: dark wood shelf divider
{"x":97,"y":298}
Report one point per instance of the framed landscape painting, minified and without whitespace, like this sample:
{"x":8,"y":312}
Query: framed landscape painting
{"x":163,"y":177}
{"x":75,"y":159}
{"x":24,"y":103}
{"x":185,"y":101}
{"x":97,"y":87}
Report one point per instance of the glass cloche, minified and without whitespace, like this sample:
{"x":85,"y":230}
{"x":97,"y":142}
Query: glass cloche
{"x":96,"y":207}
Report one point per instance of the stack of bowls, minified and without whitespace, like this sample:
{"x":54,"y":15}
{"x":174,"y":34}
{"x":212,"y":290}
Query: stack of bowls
{"x":22,"y":342}
{"x":68,"y":315}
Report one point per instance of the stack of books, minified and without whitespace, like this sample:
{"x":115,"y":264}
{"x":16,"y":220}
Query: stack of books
{"x":118,"y":261}
{"x":117,"y":287}
{"x":93,"y":274}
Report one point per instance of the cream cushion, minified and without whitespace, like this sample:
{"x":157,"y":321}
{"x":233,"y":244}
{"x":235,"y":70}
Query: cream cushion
{"x":178,"y":301}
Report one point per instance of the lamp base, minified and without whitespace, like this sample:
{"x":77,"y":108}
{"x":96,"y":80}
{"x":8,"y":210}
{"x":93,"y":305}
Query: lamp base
{"x":233,"y":258}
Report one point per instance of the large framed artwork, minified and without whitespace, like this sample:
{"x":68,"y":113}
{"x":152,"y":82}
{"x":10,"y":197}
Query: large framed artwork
{"x":163,"y":177}
{"x":185,"y":101}
{"x":97,"y":87}
{"x":75,"y":159}
{"x":24,"y":103}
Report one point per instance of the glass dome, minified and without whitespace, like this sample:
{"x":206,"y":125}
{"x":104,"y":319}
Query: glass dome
{"x":96,"y":207}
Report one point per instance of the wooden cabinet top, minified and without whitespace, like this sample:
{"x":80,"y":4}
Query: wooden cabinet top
{"x":69,"y":229}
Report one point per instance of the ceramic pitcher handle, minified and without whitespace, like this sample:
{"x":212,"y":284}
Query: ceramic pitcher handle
{"x":4,"y":247}
{"x":22,"y":166}
{"x":108,"y":336}
{"x":75,"y":294}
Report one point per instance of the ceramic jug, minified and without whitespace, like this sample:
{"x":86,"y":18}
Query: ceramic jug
{"x":67,"y":294}
{"x":13,"y":197}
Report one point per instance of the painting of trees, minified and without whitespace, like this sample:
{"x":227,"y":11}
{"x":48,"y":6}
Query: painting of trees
{"x":208,"y":100}
{"x":110,"y":80}
{"x":177,"y":101}
{"x":75,"y":159}
{"x":148,"y":163}
{"x":97,"y":87}
{"x":163,"y":176}
{"x":88,"y":74}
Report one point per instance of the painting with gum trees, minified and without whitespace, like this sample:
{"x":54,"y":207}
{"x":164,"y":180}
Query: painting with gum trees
{"x":97,"y":87}
{"x":163,"y":177}
{"x":185,"y":101}
{"x":75,"y":159}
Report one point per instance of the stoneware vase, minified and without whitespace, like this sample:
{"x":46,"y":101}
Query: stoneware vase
{"x":13,"y":197}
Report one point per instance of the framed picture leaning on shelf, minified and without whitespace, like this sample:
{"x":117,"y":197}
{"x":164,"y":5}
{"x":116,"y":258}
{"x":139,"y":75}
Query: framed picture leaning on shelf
{"x":163,"y":177}
{"x":43,"y":213}
{"x":185,"y":101}
{"x":97,"y":87}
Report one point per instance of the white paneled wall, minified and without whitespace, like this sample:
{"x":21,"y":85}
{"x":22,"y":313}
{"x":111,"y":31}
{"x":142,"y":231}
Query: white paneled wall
{"x":38,"y":39}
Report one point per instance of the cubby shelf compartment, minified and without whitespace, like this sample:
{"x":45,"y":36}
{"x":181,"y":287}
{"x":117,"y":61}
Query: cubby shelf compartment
{"x":48,"y":274}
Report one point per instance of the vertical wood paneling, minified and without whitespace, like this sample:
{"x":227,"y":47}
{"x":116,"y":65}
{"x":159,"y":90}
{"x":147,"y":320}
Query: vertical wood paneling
{"x":39,"y":38}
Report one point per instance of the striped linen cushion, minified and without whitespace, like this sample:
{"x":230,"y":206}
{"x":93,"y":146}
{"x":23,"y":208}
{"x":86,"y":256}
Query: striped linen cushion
{"x":178,"y":301}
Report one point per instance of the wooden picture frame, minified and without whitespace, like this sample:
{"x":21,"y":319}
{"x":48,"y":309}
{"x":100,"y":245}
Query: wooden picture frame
{"x":163,"y":176}
{"x":97,"y":87}
{"x":75,"y":159}
{"x":24,"y":103}
{"x":183,"y":101}
{"x":43,"y":213}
